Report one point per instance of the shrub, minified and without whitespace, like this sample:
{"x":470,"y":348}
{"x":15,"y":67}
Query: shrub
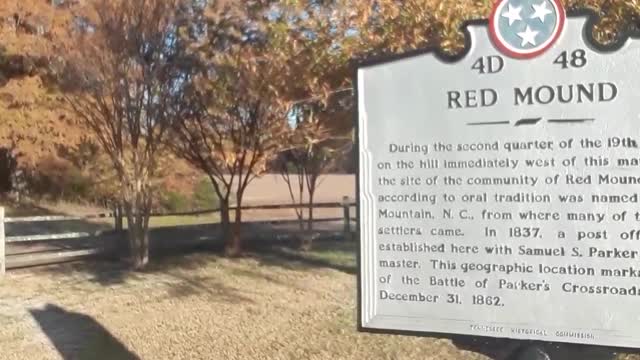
{"x":78,"y":187}
{"x":8,"y":168}
{"x":173,"y":201}
{"x":204,"y":195}
{"x":56,"y":179}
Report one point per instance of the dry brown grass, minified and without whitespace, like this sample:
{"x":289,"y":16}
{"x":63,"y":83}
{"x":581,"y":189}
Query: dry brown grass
{"x":198,"y":307}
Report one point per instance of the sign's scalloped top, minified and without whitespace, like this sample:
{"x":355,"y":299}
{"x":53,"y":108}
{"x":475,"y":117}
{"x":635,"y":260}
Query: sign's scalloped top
{"x":588,"y":18}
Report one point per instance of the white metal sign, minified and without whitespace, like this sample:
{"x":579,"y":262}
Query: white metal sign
{"x":499,"y":191}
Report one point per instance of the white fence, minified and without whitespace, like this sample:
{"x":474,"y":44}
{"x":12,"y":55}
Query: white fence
{"x":68,"y":255}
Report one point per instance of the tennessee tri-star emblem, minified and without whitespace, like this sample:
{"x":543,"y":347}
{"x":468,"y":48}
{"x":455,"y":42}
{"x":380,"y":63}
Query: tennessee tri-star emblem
{"x":526,"y":28}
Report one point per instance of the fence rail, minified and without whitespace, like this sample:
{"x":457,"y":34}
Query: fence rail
{"x":45,"y":237}
{"x":56,"y":218}
{"x":327,"y":205}
{"x":346,"y":205}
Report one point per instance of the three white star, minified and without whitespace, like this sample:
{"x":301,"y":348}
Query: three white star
{"x":540,"y":11}
{"x":513,"y":14}
{"x":528,"y":36}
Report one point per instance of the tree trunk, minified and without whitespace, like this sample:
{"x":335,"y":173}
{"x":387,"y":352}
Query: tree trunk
{"x":117,"y":212}
{"x":300,"y":210}
{"x":310,"y":219}
{"x":138,"y":237}
{"x":144,"y":246}
{"x":234,"y":244}
{"x":225,"y":220}
{"x":307,"y":237}
{"x":141,"y":255}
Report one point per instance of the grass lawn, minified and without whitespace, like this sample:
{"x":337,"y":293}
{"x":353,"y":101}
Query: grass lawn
{"x":337,"y":253}
{"x":276,"y":303}
{"x":200,"y":306}
{"x":169,"y":221}
{"x":332,"y":254}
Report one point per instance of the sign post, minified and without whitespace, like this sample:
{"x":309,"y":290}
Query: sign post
{"x":3,"y":256}
{"x":499,"y":190}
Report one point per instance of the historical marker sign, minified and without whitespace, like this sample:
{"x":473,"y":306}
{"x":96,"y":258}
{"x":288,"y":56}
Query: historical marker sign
{"x":499,"y":192}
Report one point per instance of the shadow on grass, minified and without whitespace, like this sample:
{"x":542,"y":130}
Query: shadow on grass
{"x":47,"y":227}
{"x":109,"y":270}
{"x":179,"y":269}
{"x":508,"y":349}
{"x":78,"y":336}
{"x":171,"y":249}
{"x":107,"y":273}
{"x":256,"y":275}
{"x":215,"y":291}
{"x":27,"y":252}
{"x":333,"y":254}
{"x":177,"y":274}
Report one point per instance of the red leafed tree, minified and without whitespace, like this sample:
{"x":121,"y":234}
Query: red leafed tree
{"x":121,"y":81}
{"x":232,"y":126}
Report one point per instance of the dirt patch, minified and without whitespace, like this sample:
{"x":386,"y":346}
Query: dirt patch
{"x":271,"y":189}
